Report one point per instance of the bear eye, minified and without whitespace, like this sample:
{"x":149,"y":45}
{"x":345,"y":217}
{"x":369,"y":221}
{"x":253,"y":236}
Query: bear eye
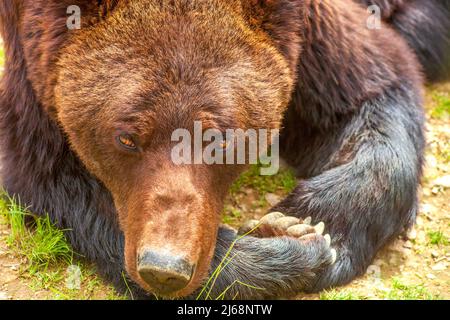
{"x":126,"y":141}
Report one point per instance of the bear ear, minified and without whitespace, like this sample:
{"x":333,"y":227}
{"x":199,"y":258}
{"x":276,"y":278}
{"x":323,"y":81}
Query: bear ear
{"x":282,"y":20}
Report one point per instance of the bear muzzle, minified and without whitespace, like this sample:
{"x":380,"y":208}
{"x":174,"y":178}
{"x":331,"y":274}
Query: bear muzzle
{"x":163,"y":272}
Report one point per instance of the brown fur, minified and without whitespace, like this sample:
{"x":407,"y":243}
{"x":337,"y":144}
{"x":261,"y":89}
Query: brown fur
{"x":165,"y":206}
{"x":149,"y":67}
{"x":388,"y":7}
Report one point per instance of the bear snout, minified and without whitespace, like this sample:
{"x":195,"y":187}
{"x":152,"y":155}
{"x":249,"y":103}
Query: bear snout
{"x":164,"y":272}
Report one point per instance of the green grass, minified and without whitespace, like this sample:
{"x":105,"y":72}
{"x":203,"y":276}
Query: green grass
{"x":442,"y":110}
{"x":34,"y":238}
{"x":340,"y":295}
{"x":281,"y":184}
{"x":403,"y":291}
{"x":90,"y":283}
{"x":437,"y":238}
{"x":231,"y":215}
{"x":284,"y":181}
{"x":48,"y":255}
{"x":398,"y":290}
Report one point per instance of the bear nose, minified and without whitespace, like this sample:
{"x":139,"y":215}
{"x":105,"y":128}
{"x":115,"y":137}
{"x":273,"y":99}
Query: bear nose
{"x":163,"y":272}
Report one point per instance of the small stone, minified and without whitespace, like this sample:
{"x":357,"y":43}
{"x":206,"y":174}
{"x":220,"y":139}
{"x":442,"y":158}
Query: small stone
{"x":397,"y":246}
{"x":272,"y":199}
{"x":412,"y":234}
{"x":434,"y":254}
{"x":425,"y":208}
{"x":431,"y":276}
{"x":14,"y":267}
{"x":4,"y":296}
{"x":431,"y":161}
{"x":374,"y":271}
{"x":435,"y":191}
{"x":443,"y":182}
{"x":421,"y":237}
{"x":441,"y":266}
{"x":408,"y":245}
{"x":419,"y":220}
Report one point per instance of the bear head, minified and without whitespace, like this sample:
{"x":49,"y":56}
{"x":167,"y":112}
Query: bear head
{"x":147,"y":68}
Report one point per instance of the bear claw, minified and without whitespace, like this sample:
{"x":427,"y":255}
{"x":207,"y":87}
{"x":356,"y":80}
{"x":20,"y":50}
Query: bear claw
{"x":276,"y":224}
{"x":320,"y":228}
{"x":328,"y":239}
{"x":307,"y":220}
{"x":333,"y":256}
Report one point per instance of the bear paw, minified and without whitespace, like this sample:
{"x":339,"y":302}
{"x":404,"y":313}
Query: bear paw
{"x":276,"y":224}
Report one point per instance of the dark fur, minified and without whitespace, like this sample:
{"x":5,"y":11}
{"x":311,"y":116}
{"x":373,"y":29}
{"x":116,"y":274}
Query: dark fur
{"x":426,"y":27}
{"x":39,"y":166}
{"x":353,"y":130}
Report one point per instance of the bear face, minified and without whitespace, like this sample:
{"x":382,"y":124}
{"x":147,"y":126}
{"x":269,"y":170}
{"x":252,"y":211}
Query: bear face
{"x":126,"y":84}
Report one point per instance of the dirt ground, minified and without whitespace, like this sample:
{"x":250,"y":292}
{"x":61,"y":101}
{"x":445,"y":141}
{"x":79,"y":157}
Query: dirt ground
{"x":414,"y":267}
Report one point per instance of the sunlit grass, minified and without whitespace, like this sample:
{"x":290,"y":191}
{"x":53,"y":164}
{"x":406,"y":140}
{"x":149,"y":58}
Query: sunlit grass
{"x":33,"y":237}
{"x":284,"y":180}
{"x":342,"y":294}
{"x":47,"y":254}
{"x":437,"y":238}
{"x":402,"y":291}
{"x":442,"y":109}
{"x":397,"y":290}
{"x":206,"y":291}
{"x":231,"y":215}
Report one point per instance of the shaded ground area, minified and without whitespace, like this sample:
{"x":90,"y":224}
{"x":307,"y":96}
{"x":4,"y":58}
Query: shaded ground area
{"x":414,"y":267}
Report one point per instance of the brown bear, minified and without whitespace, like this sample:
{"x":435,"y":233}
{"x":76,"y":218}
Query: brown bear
{"x":87,"y":116}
